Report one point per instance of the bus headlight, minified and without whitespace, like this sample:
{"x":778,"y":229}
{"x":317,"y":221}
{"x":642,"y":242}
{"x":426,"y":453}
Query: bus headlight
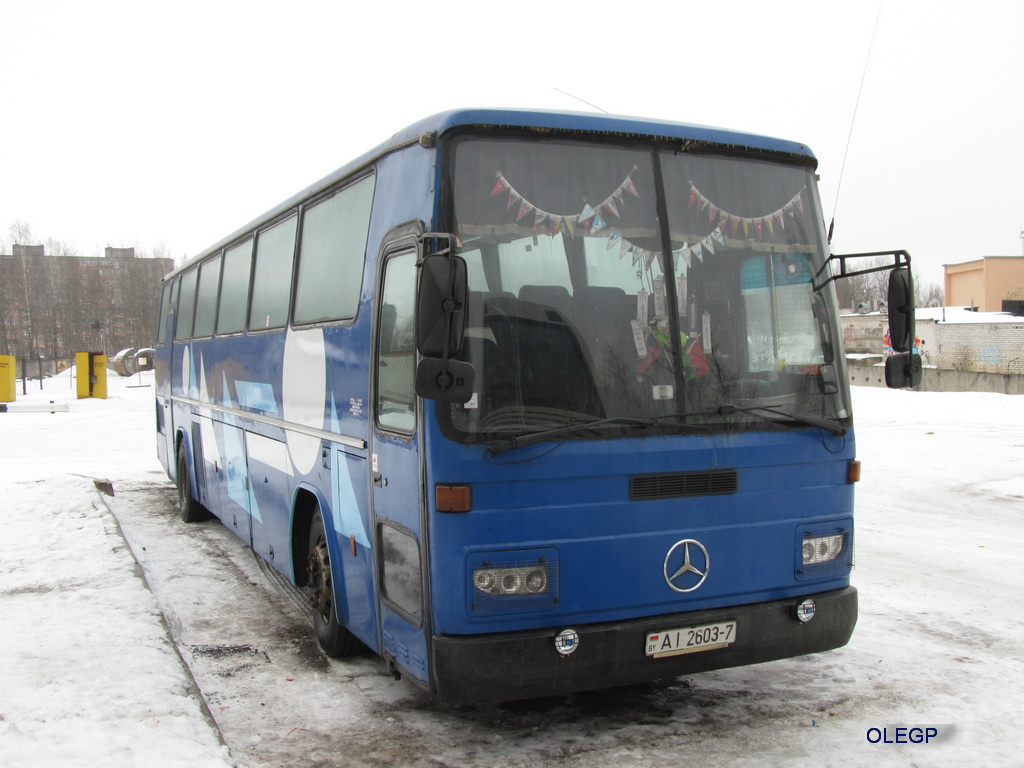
{"x":528,"y":580}
{"x":822,"y":549}
{"x":512,"y":581}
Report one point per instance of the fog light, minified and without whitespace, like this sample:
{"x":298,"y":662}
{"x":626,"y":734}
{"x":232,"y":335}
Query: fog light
{"x":806,"y":610}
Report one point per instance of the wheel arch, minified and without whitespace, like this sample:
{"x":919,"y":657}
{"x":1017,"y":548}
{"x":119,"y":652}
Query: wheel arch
{"x":305,"y":504}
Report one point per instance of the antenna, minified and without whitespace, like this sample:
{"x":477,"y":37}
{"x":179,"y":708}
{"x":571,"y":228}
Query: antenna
{"x":579,"y":99}
{"x":853,"y":119}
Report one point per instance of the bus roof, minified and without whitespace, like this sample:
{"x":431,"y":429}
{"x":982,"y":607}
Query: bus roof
{"x":563,"y":122}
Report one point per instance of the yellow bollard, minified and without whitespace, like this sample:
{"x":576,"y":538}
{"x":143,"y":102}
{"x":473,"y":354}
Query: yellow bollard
{"x":8,"y":377}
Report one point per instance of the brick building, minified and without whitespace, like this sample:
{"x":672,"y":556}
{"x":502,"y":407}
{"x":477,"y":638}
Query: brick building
{"x":54,"y":306}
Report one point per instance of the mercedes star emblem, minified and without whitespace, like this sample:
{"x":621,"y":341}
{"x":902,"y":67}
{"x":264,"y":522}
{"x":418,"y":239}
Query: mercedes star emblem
{"x":686,"y":565}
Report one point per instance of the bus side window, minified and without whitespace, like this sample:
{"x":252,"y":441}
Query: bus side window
{"x":186,"y":306}
{"x":234,"y":291}
{"x":332,"y":254}
{"x":206,"y":301}
{"x":165,"y":307}
{"x":272,"y":276}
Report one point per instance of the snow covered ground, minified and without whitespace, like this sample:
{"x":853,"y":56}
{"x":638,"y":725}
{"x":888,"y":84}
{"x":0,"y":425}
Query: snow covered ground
{"x":206,"y":661}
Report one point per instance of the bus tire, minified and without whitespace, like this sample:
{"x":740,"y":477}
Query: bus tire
{"x":190,"y":509}
{"x":332,"y":635}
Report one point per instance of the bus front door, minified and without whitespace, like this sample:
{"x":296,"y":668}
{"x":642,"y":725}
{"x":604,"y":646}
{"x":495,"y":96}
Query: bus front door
{"x":395,"y":467}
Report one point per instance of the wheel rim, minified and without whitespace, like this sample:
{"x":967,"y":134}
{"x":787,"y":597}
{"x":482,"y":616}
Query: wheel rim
{"x":320,"y":578}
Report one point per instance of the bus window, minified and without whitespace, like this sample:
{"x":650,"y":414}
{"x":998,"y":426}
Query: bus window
{"x":396,"y":352}
{"x":186,"y":306}
{"x":331,"y":255}
{"x":206,"y":301}
{"x":165,"y":306}
{"x":272,"y":276}
{"x":234,"y":292}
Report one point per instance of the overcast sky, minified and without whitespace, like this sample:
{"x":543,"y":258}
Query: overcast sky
{"x":172,"y":124}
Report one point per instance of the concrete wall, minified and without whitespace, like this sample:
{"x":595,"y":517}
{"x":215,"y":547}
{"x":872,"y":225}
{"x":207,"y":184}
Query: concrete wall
{"x":959,"y":355}
{"x":867,"y":372}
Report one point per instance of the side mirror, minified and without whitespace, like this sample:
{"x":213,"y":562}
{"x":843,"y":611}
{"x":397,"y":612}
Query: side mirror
{"x":902,"y":371}
{"x":901,"y":310}
{"x":449,"y":381}
{"x":441,"y":306}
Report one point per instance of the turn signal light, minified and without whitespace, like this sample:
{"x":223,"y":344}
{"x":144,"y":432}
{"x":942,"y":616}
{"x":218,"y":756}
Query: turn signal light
{"x":853,"y":472}
{"x":453,"y":498}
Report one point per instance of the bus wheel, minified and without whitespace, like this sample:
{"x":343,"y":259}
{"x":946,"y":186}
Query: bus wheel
{"x":334,"y":638}
{"x":190,"y":509}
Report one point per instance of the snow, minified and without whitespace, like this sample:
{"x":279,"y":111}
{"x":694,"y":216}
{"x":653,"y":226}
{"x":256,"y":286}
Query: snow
{"x":102,"y":660}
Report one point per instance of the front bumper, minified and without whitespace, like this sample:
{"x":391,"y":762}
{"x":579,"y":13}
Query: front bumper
{"x":521,"y":665}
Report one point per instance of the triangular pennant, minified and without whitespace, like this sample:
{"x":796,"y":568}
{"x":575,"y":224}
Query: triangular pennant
{"x":513,"y":198}
{"x":746,"y":228}
{"x":712,"y":214}
{"x":541,"y":219}
{"x":567,"y":225}
{"x":597,"y":224}
{"x":500,"y":186}
{"x":759,"y":226}
{"x":610,"y":206}
{"x":717,"y":236}
{"x":613,"y":239}
{"x":698,"y":251}
{"x":694,"y":194}
{"x":771,"y":225}
{"x":798,"y":201}
{"x":708,"y":244}
{"x":630,"y":187}
{"x":587,"y":213}
{"x":734,"y":225}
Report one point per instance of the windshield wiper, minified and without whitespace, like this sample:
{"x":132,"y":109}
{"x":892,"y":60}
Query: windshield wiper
{"x":811,"y":421}
{"x":531,"y":438}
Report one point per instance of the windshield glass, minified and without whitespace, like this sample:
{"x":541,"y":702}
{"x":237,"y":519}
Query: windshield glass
{"x":576,"y":315}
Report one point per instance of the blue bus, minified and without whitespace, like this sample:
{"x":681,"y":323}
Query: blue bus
{"x":534,"y":402}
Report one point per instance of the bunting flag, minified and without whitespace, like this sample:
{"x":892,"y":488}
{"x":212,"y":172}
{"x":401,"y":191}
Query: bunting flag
{"x":591,"y":220}
{"x":705,"y":247}
{"x":590,"y":217}
{"x":757,"y":223}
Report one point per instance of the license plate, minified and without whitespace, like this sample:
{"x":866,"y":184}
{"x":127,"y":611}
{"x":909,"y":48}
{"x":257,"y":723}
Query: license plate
{"x":675,"y":642}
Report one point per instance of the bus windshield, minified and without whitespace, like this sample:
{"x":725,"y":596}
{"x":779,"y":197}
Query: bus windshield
{"x":587,"y":310}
